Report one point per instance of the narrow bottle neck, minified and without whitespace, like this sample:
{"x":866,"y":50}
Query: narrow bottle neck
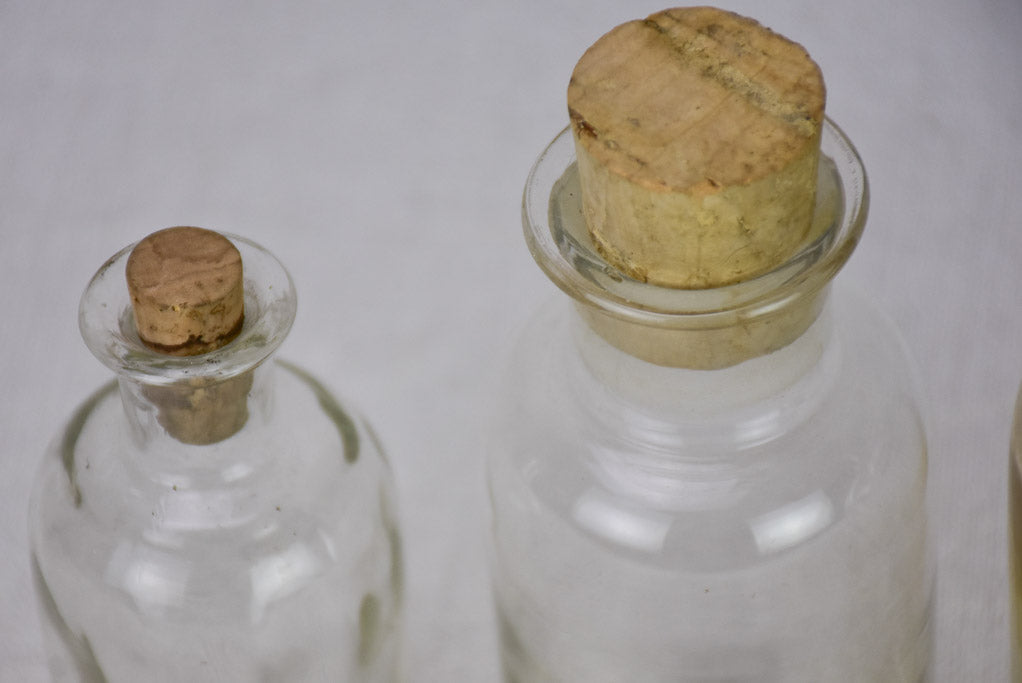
{"x":200,"y":411}
{"x":201,"y":399}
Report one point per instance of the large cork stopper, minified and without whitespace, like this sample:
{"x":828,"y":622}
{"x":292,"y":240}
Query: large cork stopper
{"x":697,"y":133}
{"x":186,"y":290}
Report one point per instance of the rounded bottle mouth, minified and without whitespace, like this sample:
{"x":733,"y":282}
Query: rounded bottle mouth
{"x":557,"y":236}
{"x":107,"y":323}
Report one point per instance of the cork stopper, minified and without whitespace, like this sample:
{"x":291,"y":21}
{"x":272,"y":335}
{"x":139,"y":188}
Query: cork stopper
{"x":187,"y":295}
{"x":697,"y":134}
{"x":186,"y":290}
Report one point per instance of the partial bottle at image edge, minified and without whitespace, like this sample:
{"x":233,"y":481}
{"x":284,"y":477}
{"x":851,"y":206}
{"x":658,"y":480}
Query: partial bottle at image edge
{"x":1015,"y":539}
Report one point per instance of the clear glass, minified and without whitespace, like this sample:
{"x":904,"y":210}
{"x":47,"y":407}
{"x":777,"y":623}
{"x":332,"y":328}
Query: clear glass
{"x":214,"y":517}
{"x":715,"y":485}
{"x":1015,"y":554}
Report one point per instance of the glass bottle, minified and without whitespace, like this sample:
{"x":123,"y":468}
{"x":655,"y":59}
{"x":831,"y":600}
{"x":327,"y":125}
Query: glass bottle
{"x":1015,"y":553}
{"x":217,"y":516}
{"x":724,"y":484}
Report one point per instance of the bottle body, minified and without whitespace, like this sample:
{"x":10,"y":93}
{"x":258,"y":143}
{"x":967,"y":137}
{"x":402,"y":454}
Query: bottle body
{"x":214,"y":517}
{"x":275,"y":558}
{"x":656,"y":524}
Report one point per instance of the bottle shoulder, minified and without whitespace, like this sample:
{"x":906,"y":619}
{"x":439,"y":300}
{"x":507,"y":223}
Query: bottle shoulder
{"x":301,"y":421}
{"x":292,"y":486}
{"x":718,"y":482}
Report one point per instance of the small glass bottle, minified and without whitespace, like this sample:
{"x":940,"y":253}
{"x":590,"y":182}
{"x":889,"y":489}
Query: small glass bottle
{"x":724,"y":484}
{"x":215,"y":516}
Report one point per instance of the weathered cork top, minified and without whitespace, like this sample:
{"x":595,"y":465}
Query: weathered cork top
{"x":697,"y":135}
{"x":186,"y":290}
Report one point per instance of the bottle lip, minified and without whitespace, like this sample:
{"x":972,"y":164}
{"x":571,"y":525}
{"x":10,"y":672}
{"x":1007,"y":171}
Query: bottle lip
{"x":571,"y":261}
{"x":107,"y":323}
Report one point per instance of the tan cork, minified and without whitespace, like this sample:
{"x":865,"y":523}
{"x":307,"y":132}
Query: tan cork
{"x":186,"y":290}
{"x":697,"y":133}
{"x":187,"y":294}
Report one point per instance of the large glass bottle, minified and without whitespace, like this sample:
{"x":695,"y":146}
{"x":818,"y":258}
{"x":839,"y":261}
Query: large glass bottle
{"x":724,"y":484}
{"x":214,"y":517}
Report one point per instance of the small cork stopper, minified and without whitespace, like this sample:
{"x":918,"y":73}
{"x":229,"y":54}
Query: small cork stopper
{"x":697,"y":134}
{"x":186,"y":290}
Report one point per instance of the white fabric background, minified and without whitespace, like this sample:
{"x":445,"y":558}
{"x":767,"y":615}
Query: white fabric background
{"x":379,"y":149}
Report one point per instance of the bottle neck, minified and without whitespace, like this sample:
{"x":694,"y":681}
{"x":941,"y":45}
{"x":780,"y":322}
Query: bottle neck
{"x":199,"y":411}
{"x":710,"y":342}
{"x":762,"y":395}
{"x":201,"y":399}
{"x":695,"y":329}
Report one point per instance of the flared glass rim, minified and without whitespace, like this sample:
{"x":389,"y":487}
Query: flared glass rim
{"x":575,"y":266}
{"x":107,"y":323}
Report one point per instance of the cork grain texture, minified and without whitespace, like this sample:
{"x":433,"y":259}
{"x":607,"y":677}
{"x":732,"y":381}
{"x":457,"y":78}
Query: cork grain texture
{"x":697,"y":134}
{"x":187,"y":294}
{"x":187,"y":290}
